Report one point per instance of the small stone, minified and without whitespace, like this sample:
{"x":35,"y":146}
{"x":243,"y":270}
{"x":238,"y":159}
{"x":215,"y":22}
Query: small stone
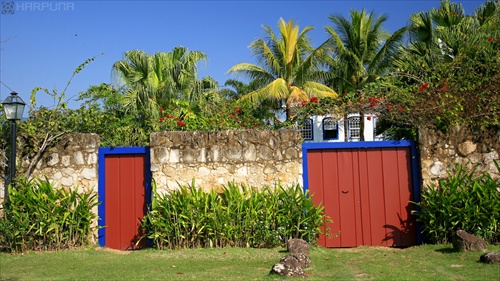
{"x":293,"y":264}
{"x":296,"y":246}
{"x":490,"y":257}
{"x":464,"y":241}
{"x":438,"y":169}
{"x":467,"y":147}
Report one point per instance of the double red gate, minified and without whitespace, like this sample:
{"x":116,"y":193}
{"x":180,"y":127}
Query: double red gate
{"x":365,"y":188}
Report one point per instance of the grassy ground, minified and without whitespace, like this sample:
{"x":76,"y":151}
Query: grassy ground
{"x":428,"y":262}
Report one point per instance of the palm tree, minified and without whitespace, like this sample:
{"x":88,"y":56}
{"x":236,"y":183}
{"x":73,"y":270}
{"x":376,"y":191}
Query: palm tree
{"x":287,"y":63}
{"x":154,"y":81}
{"x":361,"y":52}
{"x":439,"y":35}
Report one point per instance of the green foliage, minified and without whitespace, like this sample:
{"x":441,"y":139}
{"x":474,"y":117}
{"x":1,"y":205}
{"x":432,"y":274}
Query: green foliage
{"x":39,"y":216}
{"x":465,"y":200}
{"x":222,"y":116}
{"x":237,"y":216}
{"x":449,"y":74}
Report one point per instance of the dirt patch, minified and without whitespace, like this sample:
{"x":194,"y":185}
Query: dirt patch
{"x":119,"y":252}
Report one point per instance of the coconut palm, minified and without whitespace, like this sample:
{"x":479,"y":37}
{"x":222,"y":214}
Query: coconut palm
{"x":361,"y":51}
{"x":286,"y":66}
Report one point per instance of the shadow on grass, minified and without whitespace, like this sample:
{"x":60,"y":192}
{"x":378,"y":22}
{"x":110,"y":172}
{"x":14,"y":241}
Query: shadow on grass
{"x":446,"y":250}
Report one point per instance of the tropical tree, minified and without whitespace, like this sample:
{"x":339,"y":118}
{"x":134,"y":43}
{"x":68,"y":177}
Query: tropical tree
{"x":448,"y":75}
{"x":157,"y":81}
{"x":362,"y":52}
{"x":287,"y":64}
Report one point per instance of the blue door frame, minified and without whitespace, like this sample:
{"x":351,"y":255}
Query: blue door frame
{"x":102,"y":153}
{"x":415,"y":162}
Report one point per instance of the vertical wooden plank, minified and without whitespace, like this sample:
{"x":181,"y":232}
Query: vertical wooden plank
{"x":112,"y":203}
{"x":376,"y":197}
{"x":345,"y":197}
{"x":408,"y":235}
{"x":364,"y":191}
{"x":391,"y":196}
{"x":331,"y":189}
{"x":127,"y":179}
{"x":357,"y":179}
{"x":315,"y":183}
{"x":139,"y":198}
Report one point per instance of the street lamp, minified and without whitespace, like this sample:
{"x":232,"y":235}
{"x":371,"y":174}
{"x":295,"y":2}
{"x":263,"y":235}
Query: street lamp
{"x":13,"y":107}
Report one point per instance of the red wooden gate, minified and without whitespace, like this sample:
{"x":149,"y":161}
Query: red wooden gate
{"x":124,"y":197}
{"x":365,"y":191}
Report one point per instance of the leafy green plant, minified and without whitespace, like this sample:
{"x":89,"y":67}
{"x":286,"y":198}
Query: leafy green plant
{"x":236,"y":216}
{"x":465,"y":200}
{"x":39,"y":216}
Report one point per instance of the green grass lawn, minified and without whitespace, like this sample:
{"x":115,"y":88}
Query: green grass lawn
{"x":428,"y":262}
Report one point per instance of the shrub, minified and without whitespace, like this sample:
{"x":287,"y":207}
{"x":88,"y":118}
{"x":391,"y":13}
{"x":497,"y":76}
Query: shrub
{"x":238,"y":216}
{"x":41,"y":217}
{"x":465,"y":200}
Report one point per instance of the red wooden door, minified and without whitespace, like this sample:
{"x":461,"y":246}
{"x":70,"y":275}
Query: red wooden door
{"x":125,"y":200}
{"x":366,"y":192}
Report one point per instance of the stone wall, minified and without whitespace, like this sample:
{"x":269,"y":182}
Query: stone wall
{"x":257,"y":158}
{"x":71,"y":163}
{"x":439,"y":151}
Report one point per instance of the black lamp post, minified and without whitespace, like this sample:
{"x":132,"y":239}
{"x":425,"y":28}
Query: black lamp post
{"x":13,"y":107}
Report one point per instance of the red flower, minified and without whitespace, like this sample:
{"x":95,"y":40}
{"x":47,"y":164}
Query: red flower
{"x":243,"y":125}
{"x":177,"y":119}
{"x":255,"y":125}
{"x":232,"y":115}
{"x":304,"y":102}
{"x":372,"y":104}
{"x":162,"y":109}
{"x":236,"y":109}
{"x":389,"y":107}
{"x":369,"y":118}
{"x":180,"y":123}
{"x":425,"y":85}
{"x":378,"y":114}
{"x":211,"y":121}
{"x":490,"y":39}
{"x":401,"y":109}
{"x":314,"y":99}
{"x":162,"y":118}
{"x":169,"y":116}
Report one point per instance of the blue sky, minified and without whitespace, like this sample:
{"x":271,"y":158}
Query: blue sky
{"x":44,"y":41}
